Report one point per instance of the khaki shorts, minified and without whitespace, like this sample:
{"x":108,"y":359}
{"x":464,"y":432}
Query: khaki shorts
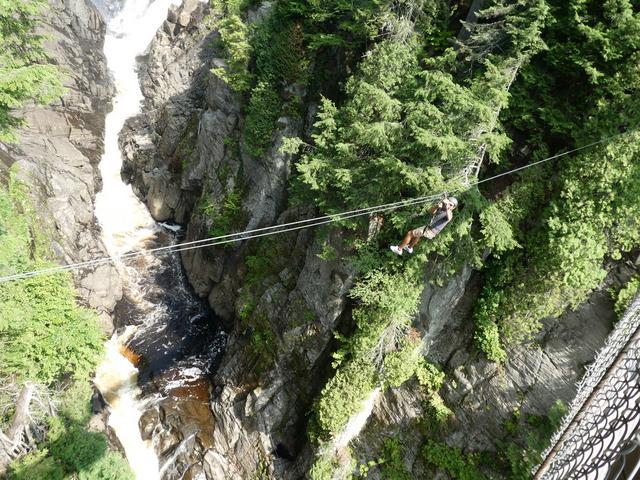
{"x":423,"y":231}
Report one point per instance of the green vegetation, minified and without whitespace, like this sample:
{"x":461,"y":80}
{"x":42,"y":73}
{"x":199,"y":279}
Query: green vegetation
{"x":391,"y":465}
{"x":70,"y":451}
{"x":266,"y":259}
{"x":262,"y":112}
{"x":45,"y":337}
{"x":575,"y":92}
{"x":234,"y":39}
{"x":626,"y":295}
{"x":539,"y":430}
{"x":410,"y":123}
{"x":228,"y":217}
{"x":518,"y":453}
{"x":452,"y":460}
{"x":401,"y":116}
{"x":26,"y":75}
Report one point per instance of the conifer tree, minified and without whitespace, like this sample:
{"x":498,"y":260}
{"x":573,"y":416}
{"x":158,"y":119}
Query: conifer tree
{"x":26,"y":74}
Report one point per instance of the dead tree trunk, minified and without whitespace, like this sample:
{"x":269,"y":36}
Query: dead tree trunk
{"x":13,"y":444}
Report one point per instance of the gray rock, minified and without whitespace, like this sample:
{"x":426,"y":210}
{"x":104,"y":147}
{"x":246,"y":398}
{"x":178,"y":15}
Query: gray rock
{"x":482,"y":395}
{"x":61,"y":146}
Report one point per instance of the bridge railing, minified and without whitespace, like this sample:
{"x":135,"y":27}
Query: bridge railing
{"x":605,"y":414}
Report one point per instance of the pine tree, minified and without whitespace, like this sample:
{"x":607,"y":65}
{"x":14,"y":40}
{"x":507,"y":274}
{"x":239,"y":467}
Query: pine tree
{"x":26,"y":73}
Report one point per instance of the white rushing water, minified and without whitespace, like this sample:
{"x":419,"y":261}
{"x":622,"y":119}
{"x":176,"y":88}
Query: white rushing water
{"x":125,"y":221}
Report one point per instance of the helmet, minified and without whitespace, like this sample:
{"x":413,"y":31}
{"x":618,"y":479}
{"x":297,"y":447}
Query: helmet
{"x":454,"y":200}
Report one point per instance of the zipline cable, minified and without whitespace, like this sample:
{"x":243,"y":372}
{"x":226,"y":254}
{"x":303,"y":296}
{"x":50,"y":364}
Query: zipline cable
{"x":245,"y":235}
{"x":276,"y":229}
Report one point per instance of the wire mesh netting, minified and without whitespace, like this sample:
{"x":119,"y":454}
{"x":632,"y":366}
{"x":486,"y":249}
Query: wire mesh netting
{"x":599,"y":431}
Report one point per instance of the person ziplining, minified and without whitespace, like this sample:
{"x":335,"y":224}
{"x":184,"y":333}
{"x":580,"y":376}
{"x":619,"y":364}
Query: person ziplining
{"x":442,"y":215}
{"x":411,"y":239}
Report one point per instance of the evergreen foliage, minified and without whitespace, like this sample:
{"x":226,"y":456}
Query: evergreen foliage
{"x":591,"y":215}
{"x":626,"y":295}
{"x":262,"y":112}
{"x":521,"y":460}
{"x":46,"y":337}
{"x":391,"y":465}
{"x":26,"y":75}
{"x":408,"y":126}
{"x":234,"y":39}
{"x":458,"y":465}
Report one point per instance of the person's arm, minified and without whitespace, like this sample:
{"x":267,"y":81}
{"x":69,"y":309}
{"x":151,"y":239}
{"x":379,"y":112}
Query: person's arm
{"x":435,"y":208}
{"x":449,"y":206}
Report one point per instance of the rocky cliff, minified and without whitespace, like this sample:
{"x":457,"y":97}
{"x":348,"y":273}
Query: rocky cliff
{"x":185,"y":158}
{"x":486,"y":397}
{"x":61,"y":145}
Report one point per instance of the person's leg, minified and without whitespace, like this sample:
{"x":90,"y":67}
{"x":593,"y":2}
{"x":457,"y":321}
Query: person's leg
{"x":408,"y":238}
{"x":414,"y":242}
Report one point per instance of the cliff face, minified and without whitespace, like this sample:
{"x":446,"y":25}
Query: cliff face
{"x":483,"y":395}
{"x":184,"y":156}
{"x":61,"y":146}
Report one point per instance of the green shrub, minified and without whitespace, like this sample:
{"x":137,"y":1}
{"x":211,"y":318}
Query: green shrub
{"x":399,"y":366}
{"x":343,"y":395}
{"x":44,"y":335}
{"x":76,"y":454}
{"x":626,"y":295}
{"x":228,"y":217}
{"x":280,"y":52}
{"x":452,"y":460}
{"x":538,"y":434}
{"x":26,"y":72}
{"x":322,"y":469}
{"x":110,"y":466}
{"x":430,"y":376}
{"x":234,"y":39}
{"x":487,"y":335}
{"x":263,"y":110}
{"x":437,"y":410}
{"x":391,"y":465}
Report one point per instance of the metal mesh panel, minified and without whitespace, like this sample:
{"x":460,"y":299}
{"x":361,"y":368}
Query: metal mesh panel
{"x":605,"y":414}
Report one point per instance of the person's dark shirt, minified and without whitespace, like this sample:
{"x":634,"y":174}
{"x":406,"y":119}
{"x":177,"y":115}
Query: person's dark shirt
{"x":440,"y":219}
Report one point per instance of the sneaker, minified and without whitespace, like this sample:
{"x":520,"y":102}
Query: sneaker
{"x":408,"y":249}
{"x":395,"y":250}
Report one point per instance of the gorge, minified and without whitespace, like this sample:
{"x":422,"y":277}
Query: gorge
{"x":316,"y":353}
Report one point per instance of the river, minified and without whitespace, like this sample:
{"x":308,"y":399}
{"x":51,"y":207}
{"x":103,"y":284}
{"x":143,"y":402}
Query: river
{"x":155,"y":376}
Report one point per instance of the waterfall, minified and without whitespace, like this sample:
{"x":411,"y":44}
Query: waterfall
{"x":125,"y":221}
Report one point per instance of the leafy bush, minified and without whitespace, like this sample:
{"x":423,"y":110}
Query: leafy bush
{"x":399,"y":366}
{"x":539,"y":431}
{"x":280,"y":52}
{"x":452,"y":460}
{"x":430,"y":376}
{"x":343,"y":395}
{"x":497,"y":230}
{"x":573,"y":93}
{"x":234,"y":39}
{"x":487,"y":335}
{"x":76,"y":454}
{"x":626,"y":295}
{"x":228,"y":216}
{"x":437,"y":410}
{"x":262,"y":112}
{"x":26,"y":73}
{"x":44,"y":335}
{"x":391,"y":465}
